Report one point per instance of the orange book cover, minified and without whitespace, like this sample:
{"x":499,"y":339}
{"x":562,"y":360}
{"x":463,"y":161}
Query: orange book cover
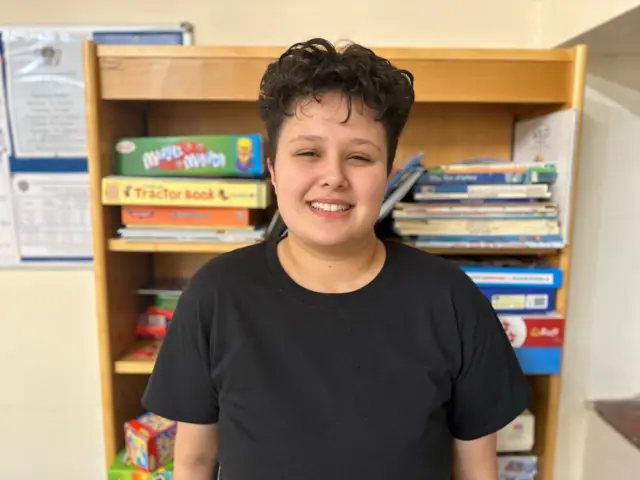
{"x":188,"y":216}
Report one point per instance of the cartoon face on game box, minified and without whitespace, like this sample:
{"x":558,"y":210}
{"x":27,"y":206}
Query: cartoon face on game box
{"x":191,"y":156}
{"x":149,"y":441}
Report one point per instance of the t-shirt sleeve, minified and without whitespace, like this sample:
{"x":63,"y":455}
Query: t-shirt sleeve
{"x":490,"y":388}
{"x":181,"y":387}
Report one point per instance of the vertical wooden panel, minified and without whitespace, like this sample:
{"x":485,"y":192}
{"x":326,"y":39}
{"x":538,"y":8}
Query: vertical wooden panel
{"x":116,"y":274}
{"x":453,"y":132}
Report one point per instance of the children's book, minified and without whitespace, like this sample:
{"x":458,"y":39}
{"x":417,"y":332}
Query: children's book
{"x":400,"y":183}
{"x":551,"y":139}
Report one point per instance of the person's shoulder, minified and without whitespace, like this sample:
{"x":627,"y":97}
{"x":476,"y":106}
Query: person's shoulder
{"x":225,"y":268}
{"x":417,"y":263}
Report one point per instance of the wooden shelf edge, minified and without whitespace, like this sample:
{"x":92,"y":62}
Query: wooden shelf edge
{"x":139,"y":360}
{"x":119,"y":245}
{"x":394,"y":53}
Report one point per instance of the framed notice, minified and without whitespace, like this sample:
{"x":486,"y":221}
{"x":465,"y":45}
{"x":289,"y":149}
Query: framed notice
{"x":44,"y":183}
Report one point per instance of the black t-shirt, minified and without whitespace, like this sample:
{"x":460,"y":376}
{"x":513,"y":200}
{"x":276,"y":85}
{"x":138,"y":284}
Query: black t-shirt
{"x":372,"y":384}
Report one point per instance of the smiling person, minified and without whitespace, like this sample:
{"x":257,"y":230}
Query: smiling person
{"x":331,"y":353}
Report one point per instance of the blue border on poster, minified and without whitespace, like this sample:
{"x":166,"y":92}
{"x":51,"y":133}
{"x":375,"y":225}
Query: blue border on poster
{"x":103,"y":35}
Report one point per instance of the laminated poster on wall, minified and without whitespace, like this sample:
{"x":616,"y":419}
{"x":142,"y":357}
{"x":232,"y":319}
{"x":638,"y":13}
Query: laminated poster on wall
{"x":52,"y":216}
{"x":45,"y":92}
{"x":44,"y":186}
{"x":8,"y":243}
{"x":5,"y":142}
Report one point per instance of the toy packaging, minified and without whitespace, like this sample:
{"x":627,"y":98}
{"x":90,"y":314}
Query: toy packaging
{"x":518,"y":435}
{"x":122,"y":469}
{"x":169,"y":217}
{"x":149,"y":441}
{"x":537,"y":339}
{"x":195,"y":156}
{"x":515,"y":286}
{"x":517,"y":467}
{"x":186,"y":192}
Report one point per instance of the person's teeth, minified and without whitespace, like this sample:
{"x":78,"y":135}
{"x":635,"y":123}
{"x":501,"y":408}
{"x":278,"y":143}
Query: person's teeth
{"x":330,"y":207}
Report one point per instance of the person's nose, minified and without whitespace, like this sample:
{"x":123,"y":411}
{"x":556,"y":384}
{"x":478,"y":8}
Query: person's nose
{"x":334,"y":173}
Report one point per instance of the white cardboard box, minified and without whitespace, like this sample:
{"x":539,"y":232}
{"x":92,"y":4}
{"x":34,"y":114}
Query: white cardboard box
{"x":518,"y":436}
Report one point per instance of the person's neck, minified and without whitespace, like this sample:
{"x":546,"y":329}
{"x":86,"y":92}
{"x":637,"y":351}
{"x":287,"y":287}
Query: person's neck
{"x":332,"y":270}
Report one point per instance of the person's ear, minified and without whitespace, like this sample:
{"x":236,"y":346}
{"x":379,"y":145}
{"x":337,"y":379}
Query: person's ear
{"x":272,"y":173}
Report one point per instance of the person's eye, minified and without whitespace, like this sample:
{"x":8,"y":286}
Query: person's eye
{"x":361,"y":158}
{"x":307,"y":153}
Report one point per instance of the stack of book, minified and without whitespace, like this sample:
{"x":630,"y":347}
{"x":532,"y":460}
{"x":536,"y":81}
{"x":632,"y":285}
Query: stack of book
{"x":522,"y":292}
{"x":493,"y":204}
{"x":207,"y":188}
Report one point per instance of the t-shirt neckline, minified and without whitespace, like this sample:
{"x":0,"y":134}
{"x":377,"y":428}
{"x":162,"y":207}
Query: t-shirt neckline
{"x":319,"y":299}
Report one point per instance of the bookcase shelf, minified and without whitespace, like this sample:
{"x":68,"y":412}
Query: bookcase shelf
{"x":466,"y":104}
{"x":119,"y":245}
{"x":139,"y":360}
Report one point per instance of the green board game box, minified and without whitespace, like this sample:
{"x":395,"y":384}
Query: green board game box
{"x":121,"y":470}
{"x":191,"y":156}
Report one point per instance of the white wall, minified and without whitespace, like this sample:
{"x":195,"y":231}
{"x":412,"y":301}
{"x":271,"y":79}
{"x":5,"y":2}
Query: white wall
{"x":562,"y":20}
{"x":607,"y":454}
{"x":49,"y":380}
{"x":602,"y":348}
{"x":614,"y":111}
{"x":406,"y":23}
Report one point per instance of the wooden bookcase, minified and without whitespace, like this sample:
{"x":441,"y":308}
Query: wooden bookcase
{"x":466,"y":104}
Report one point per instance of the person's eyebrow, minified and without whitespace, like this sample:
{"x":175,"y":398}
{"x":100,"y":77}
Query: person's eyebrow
{"x":357,"y":140}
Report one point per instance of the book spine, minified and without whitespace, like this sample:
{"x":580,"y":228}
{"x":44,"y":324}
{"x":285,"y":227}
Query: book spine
{"x":477,"y":227}
{"x":478,"y":239}
{"x":522,"y":167}
{"x":504,"y":178}
{"x":465,"y":199}
{"x":515,"y":277}
{"x":486,"y":190}
{"x":186,"y":216}
{"x":426,"y":210}
{"x":190,"y":235}
{"x":175,"y":192}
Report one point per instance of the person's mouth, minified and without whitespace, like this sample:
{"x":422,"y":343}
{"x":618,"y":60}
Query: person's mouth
{"x":330,"y":206}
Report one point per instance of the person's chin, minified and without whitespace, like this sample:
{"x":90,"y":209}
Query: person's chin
{"x":328,"y":239}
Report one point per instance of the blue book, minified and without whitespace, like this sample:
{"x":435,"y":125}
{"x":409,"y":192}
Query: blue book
{"x":514,"y":277}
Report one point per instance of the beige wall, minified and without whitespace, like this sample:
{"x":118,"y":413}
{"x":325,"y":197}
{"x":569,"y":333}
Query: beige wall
{"x":376,"y":22}
{"x":50,"y":402}
{"x":602,"y":348}
{"x":607,"y":454}
{"x":564,"y":19}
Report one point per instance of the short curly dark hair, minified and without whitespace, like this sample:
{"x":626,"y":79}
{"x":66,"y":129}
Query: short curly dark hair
{"x":308,"y":69}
